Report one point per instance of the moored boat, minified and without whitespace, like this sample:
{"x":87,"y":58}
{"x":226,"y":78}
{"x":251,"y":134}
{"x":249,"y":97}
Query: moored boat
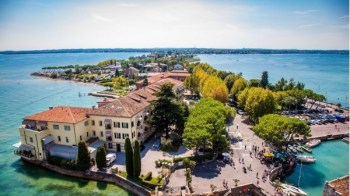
{"x":292,"y":190}
{"x":307,"y":149}
{"x":300,"y":149}
{"x":313,"y":143}
{"x":306,"y":159}
{"x":291,"y":148}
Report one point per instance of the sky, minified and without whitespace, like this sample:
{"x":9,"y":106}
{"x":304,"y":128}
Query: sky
{"x":274,"y":24}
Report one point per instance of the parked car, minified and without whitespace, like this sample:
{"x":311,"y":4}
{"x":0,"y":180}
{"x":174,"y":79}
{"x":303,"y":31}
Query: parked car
{"x":110,"y":158}
{"x":156,"y":145}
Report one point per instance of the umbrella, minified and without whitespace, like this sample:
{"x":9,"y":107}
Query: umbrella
{"x":278,"y":155}
{"x":268,"y":154}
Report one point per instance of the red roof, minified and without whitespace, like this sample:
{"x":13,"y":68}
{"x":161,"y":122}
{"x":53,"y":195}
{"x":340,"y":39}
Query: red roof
{"x":60,"y":114}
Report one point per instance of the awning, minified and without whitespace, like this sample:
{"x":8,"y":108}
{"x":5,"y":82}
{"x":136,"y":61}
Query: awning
{"x":107,"y":121}
{"x":42,"y":123}
{"x":268,"y":154}
{"x":97,"y":144}
{"x":47,"y":139}
{"x":29,"y":122}
{"x":26,"y":147}
{"x":66,"y":152}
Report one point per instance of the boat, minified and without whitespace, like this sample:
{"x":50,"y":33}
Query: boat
{"x":292,"y":149}
{"x":313,"y":143}
{"x":305,"y":159}
{"x":299,"y":148}
{"x":307,"y":149}
{"x":292,"y":190}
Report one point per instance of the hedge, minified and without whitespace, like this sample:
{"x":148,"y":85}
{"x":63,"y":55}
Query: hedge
{"x":198,"y":158}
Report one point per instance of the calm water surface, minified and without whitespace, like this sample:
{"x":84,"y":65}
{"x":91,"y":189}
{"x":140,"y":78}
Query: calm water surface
{"x":21,"y":95}
{"x":332,"y":161}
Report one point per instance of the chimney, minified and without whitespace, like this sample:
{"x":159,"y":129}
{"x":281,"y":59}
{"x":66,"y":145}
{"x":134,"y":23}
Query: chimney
{"x":50,"y":108}
{"x":93,"y":107}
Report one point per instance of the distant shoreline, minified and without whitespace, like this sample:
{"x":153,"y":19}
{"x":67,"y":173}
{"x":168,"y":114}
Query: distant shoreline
{"x":195,"y":51}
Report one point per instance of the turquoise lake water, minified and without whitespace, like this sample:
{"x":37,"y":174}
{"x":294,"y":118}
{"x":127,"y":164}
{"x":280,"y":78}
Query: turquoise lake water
{"x":21,"y":95}
{"x":325,"y":74}
{"x":332,"y":161}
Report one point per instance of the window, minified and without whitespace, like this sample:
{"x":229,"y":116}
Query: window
{"x":116,"y":124}
{"x":87,"y":134}
{"x":94,"y":133}
{"x":100,"y":123}
{"x":125,"y":135}
{"x":117,"y":135}
{"x":132,"y":123}
{"x":31,"y":139}
{"x":56,"y":127}
{"x":125,"y":125}
{"x":93,"y":122}
{"x":67,"y":128}
{"x":81,"y":138}
{"x":59,"y":138}
{"x":133,"y":134}
{"x":101,"y":133}
{"x":86,"y":123}
{"x":67,"y":140}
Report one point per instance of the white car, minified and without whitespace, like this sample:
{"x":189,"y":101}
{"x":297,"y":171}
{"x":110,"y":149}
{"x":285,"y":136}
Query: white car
{"x":110,"y":158}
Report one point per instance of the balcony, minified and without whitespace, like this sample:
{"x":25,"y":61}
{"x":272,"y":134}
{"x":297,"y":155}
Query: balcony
{"x":109,"y":138}
{"x":34,"y":128}
{"x":108,"y":127}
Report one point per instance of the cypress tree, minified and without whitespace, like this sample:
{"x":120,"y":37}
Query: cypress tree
{"x":128,"y":157}
{"x":101,"y":157}
{"x":83,"y":156}
{"x":137,"y":159}
{"x":145,"y":82}
{"x":117,"y":74}
{"x":264,"y":79}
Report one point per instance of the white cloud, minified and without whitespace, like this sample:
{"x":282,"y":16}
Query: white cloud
{"x":304,"y":12}
{"x":308,"y":25}
{"x":101,"y":18}
{"x":127,"y":4}
{"x":344,"y":17}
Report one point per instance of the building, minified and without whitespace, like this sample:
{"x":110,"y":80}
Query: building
{"x":58,"y":130}
{"x":180,"y":75}
{"x":178,"y":67}
{"x":130,"y":72}
{"x":337,"y":187}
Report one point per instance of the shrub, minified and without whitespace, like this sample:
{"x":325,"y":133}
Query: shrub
{"x":198,"y":158}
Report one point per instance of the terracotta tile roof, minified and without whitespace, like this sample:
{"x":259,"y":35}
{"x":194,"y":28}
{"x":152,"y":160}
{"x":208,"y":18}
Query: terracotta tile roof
{"x":161,"y":76}
{"x":134,"y":102}
{"x":61,"y":114}
{"x":341,"y":185}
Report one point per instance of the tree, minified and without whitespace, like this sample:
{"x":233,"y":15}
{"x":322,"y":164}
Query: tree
{"x":145,"y":82}
{"x":192,"y":83}
{"x":165,"y":111}
{"x":117,"y":74}
{"x":215,"y":88}
{"x":137,"y":159}
{"x":254,"y":83}
{"x":101,"y":157}
{"x":206,"y":126}
{"x":189,"y":164}
{"x":230,"y":80}
{"x":83,"y":156}
{"x":257,"y":102}
{"x":280,"y":129}
{"x":239,"y":85}
{"x":264,"y":79}
{"x":129,"y":157}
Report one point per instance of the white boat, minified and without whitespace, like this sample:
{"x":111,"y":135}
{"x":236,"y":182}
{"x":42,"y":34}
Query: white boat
{"x":291,"y":148}
{"x":292,"y":190}
{"x":313,"y":143}
{"x":306,"y":159}
{"x":299,"y":148}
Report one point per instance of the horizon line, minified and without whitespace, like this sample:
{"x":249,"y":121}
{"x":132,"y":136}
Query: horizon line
{"x":174,"y":48}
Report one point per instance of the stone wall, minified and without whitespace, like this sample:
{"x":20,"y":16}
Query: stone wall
{"x":97,"y":176}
